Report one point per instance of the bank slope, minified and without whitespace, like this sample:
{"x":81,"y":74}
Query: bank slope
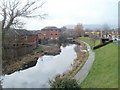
{"x":104,"y":72}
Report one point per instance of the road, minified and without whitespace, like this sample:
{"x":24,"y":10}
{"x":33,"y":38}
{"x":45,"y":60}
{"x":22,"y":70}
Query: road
{"x":82,"y":74}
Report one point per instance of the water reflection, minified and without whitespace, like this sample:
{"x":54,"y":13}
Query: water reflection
{"x":46,"y":68}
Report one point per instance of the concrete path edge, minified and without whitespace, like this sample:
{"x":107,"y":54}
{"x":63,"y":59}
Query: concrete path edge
{"x":83,"y":72}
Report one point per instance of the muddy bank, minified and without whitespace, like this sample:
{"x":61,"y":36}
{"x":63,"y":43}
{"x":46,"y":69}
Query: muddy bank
{"x":20,"y":63}
{"x":29,"y":60}
{"x":51,"y":49}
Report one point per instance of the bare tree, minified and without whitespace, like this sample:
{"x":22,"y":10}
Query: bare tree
{"x":63,"y":28}
{"x":13,"y":10}
{"x":78,"y":29}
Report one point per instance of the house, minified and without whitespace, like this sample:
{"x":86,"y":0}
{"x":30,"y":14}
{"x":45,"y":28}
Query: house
{"x":18,"y":42}
{"x":113,"y":34}
{"x":21,"y":37}
{"x":51,"y":33}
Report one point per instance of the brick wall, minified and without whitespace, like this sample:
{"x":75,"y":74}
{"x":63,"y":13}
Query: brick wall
{"x":19,"y":45}
{"x":49,"y":34}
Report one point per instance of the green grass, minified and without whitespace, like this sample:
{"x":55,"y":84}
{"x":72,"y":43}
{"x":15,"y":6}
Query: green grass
{"x":118,"y":41}
{"x":104,"y":72}
{"x":38,"y":49}
{"x":89,"y":41}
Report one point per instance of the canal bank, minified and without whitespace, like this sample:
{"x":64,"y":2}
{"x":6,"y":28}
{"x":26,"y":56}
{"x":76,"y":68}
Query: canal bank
{"x":80,"y":51}
{"x":46,"y":68}
{"x":79,"y":61}
{"x":29,"y":60}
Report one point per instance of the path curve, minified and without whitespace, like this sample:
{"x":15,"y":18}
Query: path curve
{"x":82,"y":74}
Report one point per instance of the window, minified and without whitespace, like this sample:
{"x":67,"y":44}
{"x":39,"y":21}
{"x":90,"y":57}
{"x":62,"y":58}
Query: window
{"x":16,"y":37}
{"x":13,"y":44}
{"x":26,"y":37}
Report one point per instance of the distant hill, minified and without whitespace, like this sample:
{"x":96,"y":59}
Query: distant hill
{"x":97,"y":26}
{"x":70,"y":26}
{"x":92,"y":26}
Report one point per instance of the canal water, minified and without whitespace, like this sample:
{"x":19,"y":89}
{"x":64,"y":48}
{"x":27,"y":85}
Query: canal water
{"x":47,"y":67}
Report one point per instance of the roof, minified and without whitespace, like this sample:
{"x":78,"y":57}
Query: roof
{"x":50,"y":28}
{"x":19,"y":32}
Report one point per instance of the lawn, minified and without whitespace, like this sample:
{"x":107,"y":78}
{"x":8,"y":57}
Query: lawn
{"x":104,"y":72}
{"x":38,"y":49}
{"x":118,"y":41}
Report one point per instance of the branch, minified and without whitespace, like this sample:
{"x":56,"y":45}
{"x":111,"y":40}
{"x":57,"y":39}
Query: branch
{"x":5,"y":17}
{"x":11,"y":9}
{"x":27,"y":11}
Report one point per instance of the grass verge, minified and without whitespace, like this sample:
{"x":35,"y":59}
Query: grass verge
{"x":104,"y":72}
{"x":38,"y":49}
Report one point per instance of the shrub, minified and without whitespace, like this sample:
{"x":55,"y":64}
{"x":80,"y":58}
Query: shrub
{"x":101,"y":45}
{"x":64,"y":83}
{"x":43,"y":41}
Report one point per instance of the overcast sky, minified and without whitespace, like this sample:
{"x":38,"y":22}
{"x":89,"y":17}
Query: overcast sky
{"x":65,"y":12}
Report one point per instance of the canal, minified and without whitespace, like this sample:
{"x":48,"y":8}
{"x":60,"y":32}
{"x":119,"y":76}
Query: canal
{"x":47,"y":67}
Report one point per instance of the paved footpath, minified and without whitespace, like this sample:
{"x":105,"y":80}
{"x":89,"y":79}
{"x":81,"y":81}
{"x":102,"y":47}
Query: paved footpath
{"x":81,"y":75}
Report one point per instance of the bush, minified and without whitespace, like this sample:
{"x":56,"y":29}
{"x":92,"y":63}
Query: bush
{"x":43,"y":41}
{"x":64,"y":83}
{"x":101,"y":45}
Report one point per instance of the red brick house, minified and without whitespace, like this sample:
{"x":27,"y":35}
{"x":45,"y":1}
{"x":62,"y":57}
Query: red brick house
{"x":19,"y":43}
{"x":50,"y":33}
{"x":20,"y":38}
